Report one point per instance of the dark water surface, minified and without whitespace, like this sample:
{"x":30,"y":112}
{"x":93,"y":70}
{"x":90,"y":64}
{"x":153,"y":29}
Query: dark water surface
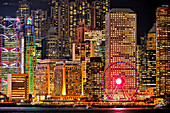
{"x":80,"y":110}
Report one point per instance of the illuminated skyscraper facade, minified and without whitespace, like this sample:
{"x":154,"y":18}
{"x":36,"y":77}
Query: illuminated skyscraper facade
{"x":23,"y":11}
{"x":163,"y":50}
{"x":97,"y":40}
{"x":38,"y":16}
{"x":99,"y":9}
{"x":120,"y":44}
{"x":44,"y":77}
{"x":68,"y":78}
{"x":18,"y":87}
{"x":79,"y":32}
{"x":120,"y":36}
{"x":30,"y":52}
{"x":82,"y":52}
{"x":93,"y":86}
{"x":150,"y":79}
{"x":51,"y":45}
{"x":11,"y":50}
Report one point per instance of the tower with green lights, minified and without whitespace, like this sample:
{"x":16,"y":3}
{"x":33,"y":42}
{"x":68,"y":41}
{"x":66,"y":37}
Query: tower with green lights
{"x":30,"y":52}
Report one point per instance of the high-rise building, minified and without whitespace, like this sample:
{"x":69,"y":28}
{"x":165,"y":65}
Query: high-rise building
{"x":68,"y":78}
{"x":18,"y":87}
{"x":97,"y":40}
{"x":80,"y":31}
{"x":38,"y":16}
{"x":93,"y":86}
{"x":82,"y":52}
{"x":30,"y":52}
{"x":143,"y":66}
{"x":44,"y":78}
{"x":23,"y":10}
{"x":120,"y":36}
{"x":55,"y":13}
{"x":150,"y":79}
{"x":163,"y":50}
{"x":99,"y":9}
{"x":139,"y":64}
{"x":120,"y":46}
{"x":51,"y":45}
{"x":11,"y":50}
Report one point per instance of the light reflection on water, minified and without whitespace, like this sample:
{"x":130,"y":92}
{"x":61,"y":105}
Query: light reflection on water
{"x":80,"y":110}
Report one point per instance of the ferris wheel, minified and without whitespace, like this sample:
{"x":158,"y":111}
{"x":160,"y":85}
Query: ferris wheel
{"x":119,"y":81}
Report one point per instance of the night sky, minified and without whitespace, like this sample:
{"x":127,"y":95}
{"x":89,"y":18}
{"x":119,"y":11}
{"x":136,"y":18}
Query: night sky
{"x":145,"y":10}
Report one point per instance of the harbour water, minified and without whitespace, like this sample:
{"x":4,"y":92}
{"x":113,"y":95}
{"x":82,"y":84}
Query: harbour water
{"x":80,"y":110}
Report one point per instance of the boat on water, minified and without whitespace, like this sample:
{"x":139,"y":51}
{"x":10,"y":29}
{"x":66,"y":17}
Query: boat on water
{"x":158,"y":106}
{"x":88,"y":107}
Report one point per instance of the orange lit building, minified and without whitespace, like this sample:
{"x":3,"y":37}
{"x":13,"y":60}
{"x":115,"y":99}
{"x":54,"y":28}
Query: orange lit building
{"x":163,"y":50}
{"x":79,"y":32}
{"x":120,"y":46}
{"x":18,"y":87}
{"x":82,"y":52}
{"x":145,"y":93}
{"x":68,"y":79}
{"x":150,"y":78}
{"x":120,"y":36}
{"x":93,"y":86}
{"x":44,"y":78}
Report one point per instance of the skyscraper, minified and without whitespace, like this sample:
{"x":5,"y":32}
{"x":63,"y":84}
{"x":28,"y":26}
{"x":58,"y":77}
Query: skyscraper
{"x":38,"y":16}
{"x":68,"y":78}
{"x":51,"y":45}
{"x":99,"y":9}
{"x":163,"y":50}
{"x":80,"y":31}
{"x":150,"y":79}
{"x":97,"y":40}
{"x":82,"y":52}
{"x":11,"y":50}
{"x":120,"y":36}
{"x":30,"y":52}
{"x":44,"y":78}
{"x":93,"y":86}
{"x":23,"y":11}
{"x":63,"y":28}
{"x":120,"y":46}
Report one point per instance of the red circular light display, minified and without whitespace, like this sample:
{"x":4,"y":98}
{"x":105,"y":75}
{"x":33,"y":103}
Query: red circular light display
{"x":118,"y":81}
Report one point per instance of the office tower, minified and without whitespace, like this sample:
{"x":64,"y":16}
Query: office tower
{"x":11,"y":50}
{"x":150,"y":79}
{"x":79,"y":32}
{"x":44,"y":78}
{"x":139,"y":64}
{"x":143,"y":67}
{"x":23,"y":10}
{"x":97,"y":40}
{"x":68,"y":78}
{"x":93,"y":86}
{"x":55,"y":13}
{"x":79,"y":11}
{"x":18,"y":87}
{"x":51,"y":45}
{"x":99,"y":9}
{"x":46,"y":25}
{"x":63,"y":28}
{"x":120,"y":44}
{"x":30,"y":52}
{"x":82,"y":52}
{"x":38,"y":16}
{"x":162,"y":50}
{"x":120,"y":36}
